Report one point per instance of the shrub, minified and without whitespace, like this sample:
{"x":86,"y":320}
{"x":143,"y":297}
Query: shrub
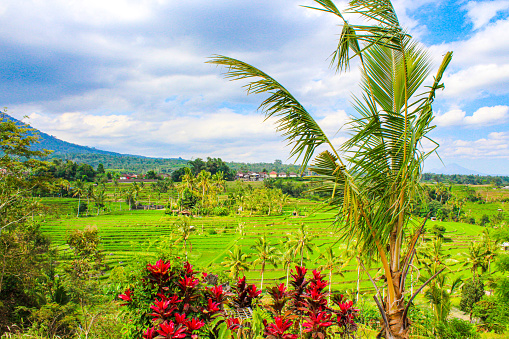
{"x":471,"y":293}
{"x":221,"y":211}
{"x":172,"y":300}
{"x":484,"y":219}
{"x":493,"y":313}
{"x":456,"y":329}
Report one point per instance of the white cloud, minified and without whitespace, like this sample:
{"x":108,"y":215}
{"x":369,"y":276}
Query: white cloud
{"x":477,"y":81}
{"x":138,"y":71}
{"x":223,"y":133}
{"x":480,"y":13}
{"x":484,"y":116}
{"x":494,"y":146}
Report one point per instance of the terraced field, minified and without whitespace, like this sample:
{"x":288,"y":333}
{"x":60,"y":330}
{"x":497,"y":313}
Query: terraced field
{"x":128,"y":235}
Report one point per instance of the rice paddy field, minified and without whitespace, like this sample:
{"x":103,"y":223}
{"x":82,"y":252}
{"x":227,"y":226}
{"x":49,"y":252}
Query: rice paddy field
{"x":132,"y":235}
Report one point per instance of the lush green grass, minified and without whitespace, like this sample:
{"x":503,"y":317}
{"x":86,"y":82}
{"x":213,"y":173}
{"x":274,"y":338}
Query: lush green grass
{"x":489,"y":194}
{"x":125,"y":234}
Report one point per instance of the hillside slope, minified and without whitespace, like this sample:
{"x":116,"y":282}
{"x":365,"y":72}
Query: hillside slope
{"x":58,"y":146}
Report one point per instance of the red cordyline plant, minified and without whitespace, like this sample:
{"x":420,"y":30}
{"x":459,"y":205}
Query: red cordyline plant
{"x":172,"y":302}
{"x":245,"y":294}
{"x":306,"y":308}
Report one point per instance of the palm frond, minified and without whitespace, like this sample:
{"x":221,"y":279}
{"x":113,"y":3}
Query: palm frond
{"x":380,"y":11}
{"x":328,"y":6}
{"x":297,"y":125}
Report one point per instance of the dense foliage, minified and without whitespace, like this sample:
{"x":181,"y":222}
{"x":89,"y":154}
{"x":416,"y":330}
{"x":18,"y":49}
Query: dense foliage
{"x":172,"y":300}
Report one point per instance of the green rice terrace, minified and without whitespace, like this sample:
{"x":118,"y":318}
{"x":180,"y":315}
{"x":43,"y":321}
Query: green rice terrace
{"x":352,"y":240}
{"x":127,"y":235}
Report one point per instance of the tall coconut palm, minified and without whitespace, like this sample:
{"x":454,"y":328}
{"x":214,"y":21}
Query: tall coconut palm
{"x":330,"y":262}
{"x":219,"y":182}
{"x":90,"y":192}
{"x":433,"y":257}
{"x":184,"y":229}
{"x":266,"y":253}
{"x":99,"y":199}
{"x":287,"y":257}
{"x":475,"y":258}
{"x":372,"y":190}
{"x":78,"y":191}
{"x":236,"y":260}
{"x":129,"y":196}
{"x":490,"y":251}
{"x":203,"y":180}
{"x":301,"y":243}
{"x":188,"y":179}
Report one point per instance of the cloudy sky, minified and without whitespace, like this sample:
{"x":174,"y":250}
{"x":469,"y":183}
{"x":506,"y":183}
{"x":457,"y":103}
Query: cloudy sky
{"x":130,"y":75}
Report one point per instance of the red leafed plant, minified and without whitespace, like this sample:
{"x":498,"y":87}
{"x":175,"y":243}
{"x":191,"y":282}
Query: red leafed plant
{"x":278,"y":328}
{"x":160,"y":272}
{"x":169,"y":330}
{"x":127,"y":296}
{"x":308,"y":306}
{"x":172,"y":302}
{"x":245,"y":294}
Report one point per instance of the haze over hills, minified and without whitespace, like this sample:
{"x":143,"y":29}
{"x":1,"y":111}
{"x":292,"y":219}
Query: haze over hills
{"x":127,"y":162}
{"x":93,"y":156}
{"x":454,"y":169}
{"x":58,"y":146}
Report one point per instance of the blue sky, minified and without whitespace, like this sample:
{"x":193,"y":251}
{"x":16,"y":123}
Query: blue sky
{"x":129,"y":76}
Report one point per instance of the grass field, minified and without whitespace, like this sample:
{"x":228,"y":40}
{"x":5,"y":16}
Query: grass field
{"x":130,"y":234}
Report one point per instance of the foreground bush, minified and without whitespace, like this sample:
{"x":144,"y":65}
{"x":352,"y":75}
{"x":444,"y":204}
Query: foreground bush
{"x":172,"y":300}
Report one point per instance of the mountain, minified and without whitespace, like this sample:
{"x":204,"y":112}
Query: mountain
{"x":126,"y":162}
{"x":454,"y":169}
{"x":58,"y":146}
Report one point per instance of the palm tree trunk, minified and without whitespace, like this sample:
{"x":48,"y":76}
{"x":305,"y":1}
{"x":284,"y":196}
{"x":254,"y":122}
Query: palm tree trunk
{"x":287,"y":274}
{"x":330,"y":283}
{"x":358,"y":281}
{"x":79,"y":202}
{"x":394,"y":309}
{"x":263,"y":270}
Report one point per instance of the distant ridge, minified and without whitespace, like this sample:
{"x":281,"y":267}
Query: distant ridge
{"x":60,"y":147}
{"x":454,"y":169}
{"x":126,"y":162}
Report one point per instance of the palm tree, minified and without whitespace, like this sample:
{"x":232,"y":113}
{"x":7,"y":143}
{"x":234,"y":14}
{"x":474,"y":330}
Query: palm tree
{"x":129,"y":196}
{"x":236,"y":260}
{"x":475,"y":258}
{"x":433,"y":257}
{"x":287,"y":257}
{"x":331,"y":261}
{"x":188,"y":178}
{"x":203,"y":181}
{"x":490,"y":250}
{"x":99,"y":200}
{"x":240,"y":229}
{"x":266,"y":254}
{"x":184,"y":229}
{"x":439,"y":294}
{"x":78,"y":191}
{"x":373,"y":194}
{"x":90,"y":194}
{"x":301,"y":243}
{"x":136,"y":191}
{"x":219,"y":182}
